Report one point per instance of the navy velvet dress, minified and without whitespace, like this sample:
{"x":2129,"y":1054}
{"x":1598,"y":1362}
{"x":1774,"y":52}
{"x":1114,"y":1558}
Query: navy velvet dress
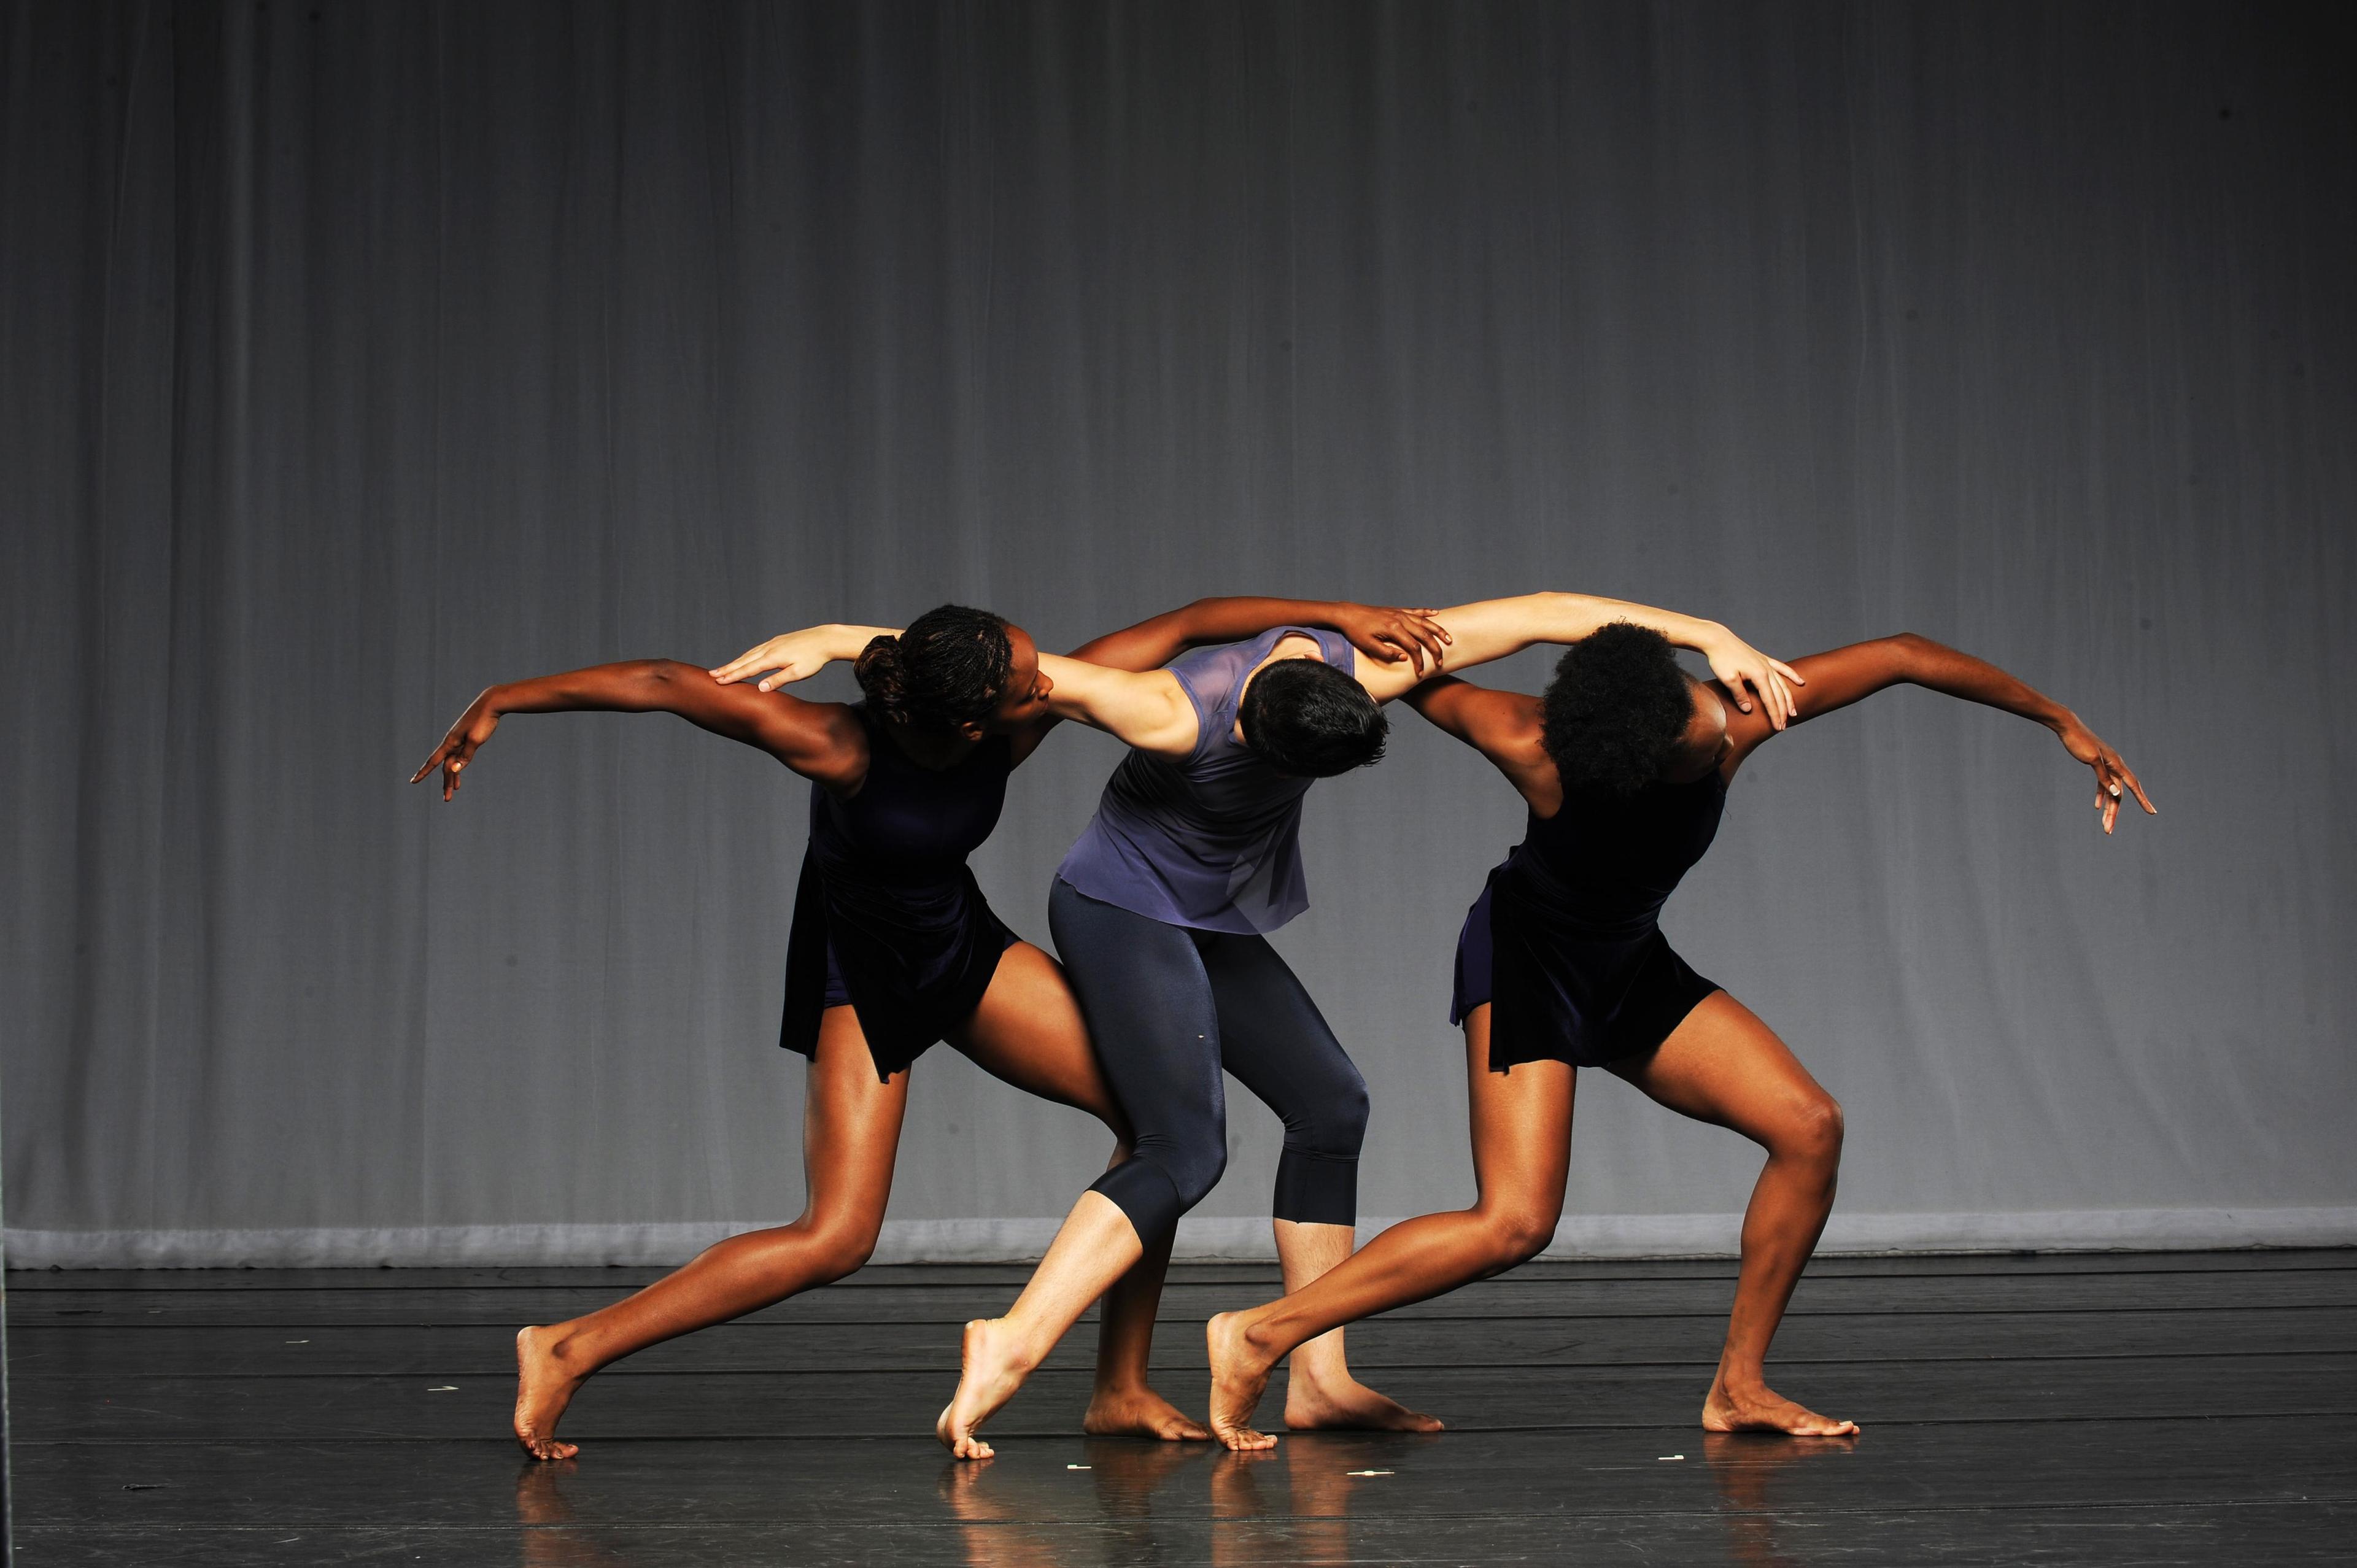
{"x":1565,"y":941}
{"x":888,"y":917}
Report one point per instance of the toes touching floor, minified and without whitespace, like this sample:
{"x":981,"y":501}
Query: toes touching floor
{"x":1232,"y":709}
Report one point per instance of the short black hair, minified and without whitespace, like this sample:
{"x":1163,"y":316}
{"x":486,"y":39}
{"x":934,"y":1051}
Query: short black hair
{"x":1305,"y":717}
{"x":949,"y":668}
{"x":1616,"y":710}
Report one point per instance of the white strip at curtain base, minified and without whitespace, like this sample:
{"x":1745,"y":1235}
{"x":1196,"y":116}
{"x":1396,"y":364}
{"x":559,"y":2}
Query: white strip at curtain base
{"x":1023,"y":1241}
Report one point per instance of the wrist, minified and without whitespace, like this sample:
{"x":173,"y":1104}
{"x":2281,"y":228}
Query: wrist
{"x":848,"y":642}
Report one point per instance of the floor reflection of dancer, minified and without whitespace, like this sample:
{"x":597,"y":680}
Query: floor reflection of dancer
{"x":1625,"y":764}
{"x":893,"y":946}
{"x":1160,"y":913}
{"x":1744,"y":1466}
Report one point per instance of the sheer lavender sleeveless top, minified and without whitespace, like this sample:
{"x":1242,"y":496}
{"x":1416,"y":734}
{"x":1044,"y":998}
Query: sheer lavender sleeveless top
{"x":1211,"y":840}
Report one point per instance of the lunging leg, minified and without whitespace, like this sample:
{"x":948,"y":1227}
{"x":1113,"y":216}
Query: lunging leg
{"x":1522,"y":1154}
{"x":1722,"y":1065}
{"x":1028,"y":1032}
{"x":851,"y":1130}
{"x":1277,"y":1044}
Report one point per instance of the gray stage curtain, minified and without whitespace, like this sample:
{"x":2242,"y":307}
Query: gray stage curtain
{"x":358,"y":355}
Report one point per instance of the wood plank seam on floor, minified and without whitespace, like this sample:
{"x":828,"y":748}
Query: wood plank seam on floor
{"x":628,"y":1371}
{"x":737,"y":1439}
{"x":62,"y":1281}
{"x":1420,"y":1316}
{"x":1257,"y":1518}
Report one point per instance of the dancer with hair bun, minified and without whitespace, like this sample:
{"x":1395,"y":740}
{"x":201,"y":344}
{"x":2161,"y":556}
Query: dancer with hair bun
{"x":1160,"y":913}
{"x":893,"y":946}
{"x":1625,"y":764}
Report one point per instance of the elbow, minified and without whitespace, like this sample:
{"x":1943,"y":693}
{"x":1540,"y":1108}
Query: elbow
{"x":1909,"y":650}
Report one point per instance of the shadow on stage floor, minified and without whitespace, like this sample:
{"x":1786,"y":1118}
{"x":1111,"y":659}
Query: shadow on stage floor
{"x":2112,"y":1409}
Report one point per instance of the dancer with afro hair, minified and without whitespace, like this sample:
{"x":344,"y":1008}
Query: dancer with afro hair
{"x":1625,"y":764}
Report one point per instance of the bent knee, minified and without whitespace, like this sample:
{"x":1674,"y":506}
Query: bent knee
{"x":1516,"y":1235}
{"x":1196,"y":1172}
{"x":844,"y":1248}
{"x":1337,"y":1125}
{"x":1812,"y":1130}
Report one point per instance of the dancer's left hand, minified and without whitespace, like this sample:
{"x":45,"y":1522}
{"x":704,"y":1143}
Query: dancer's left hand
{"x":2112,"y":775}
{"x":793,"y":656}
{"x":1741,"y":668}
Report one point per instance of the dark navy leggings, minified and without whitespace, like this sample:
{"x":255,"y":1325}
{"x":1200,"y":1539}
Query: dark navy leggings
{"x":1168,"y":1007}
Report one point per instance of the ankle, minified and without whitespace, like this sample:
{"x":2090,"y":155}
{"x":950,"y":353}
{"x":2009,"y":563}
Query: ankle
{"x":1266,"y":1338}
{"x":1739,"y":1383}
{"x":1015,"y":1348}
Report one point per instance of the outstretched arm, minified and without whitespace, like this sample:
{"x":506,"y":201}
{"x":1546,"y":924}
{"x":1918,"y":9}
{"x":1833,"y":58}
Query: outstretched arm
{"x":1116,"y":683}
{"x":1494,"y":629}
{"x":1390,"y":635}
{"x":819,"y":740}
{"x":1407,"y":637}
{"x":1846,"y":675}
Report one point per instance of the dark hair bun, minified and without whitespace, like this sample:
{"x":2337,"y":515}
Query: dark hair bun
{"x":877,"y":671}
{"x":1616,"y":710}
{"x":947,"y":670}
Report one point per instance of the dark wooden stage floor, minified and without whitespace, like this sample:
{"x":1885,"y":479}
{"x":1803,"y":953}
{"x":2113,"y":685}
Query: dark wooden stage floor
{"x":2113,"y":1409}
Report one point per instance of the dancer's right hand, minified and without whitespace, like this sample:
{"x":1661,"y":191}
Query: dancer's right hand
{"x":457,"y":749}
{"x":1392,"y":635}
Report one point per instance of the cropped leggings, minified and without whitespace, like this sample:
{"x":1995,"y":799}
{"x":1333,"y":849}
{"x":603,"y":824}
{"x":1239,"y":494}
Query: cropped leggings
{"x":1170,"y":1007}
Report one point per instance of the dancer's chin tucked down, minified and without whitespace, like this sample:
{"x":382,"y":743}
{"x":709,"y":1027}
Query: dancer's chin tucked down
{"x":893,"y":946}
{"x":1625,"y":764}
{"x":1160,"y":913}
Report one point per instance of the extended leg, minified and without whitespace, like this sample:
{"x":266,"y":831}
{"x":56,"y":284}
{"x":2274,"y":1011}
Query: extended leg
{"x":850,"y":1130}
{"x":1522,"y":1152}
{"x":1028,"y":1032}
{"x":1723,"y":1065}
{"x":1149,"y":1006}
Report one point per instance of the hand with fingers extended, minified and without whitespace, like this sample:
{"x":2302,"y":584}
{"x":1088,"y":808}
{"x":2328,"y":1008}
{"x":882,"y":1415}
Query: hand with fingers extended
{"x":1392,"y":635}
{"x":798,"y":655}
{"x":2112,"y":775}
{"x":1743,"y":669}
{"x":465,"y":737}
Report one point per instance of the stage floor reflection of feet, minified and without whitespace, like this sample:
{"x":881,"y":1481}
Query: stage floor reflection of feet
{"x":2113,"y":1409}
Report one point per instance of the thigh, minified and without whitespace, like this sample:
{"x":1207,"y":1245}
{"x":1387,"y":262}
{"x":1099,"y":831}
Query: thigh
{"x":1027,"y":1031}
{"x":1520,"y":1123}
{"x":1723,"y":1066}
{"x":1147,"y":1002}
{"x":851,"y":1122}
{"x":1272,"y":1036}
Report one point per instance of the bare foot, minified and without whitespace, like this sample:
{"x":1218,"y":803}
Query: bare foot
{"x":992,"y":1372}
{"x":1239,"y":1377}
{"x":1765,"y":1410}
{"x":1140,"y":1412}
{"x":1349,"y":1405}
{"x":545,"y":1387}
